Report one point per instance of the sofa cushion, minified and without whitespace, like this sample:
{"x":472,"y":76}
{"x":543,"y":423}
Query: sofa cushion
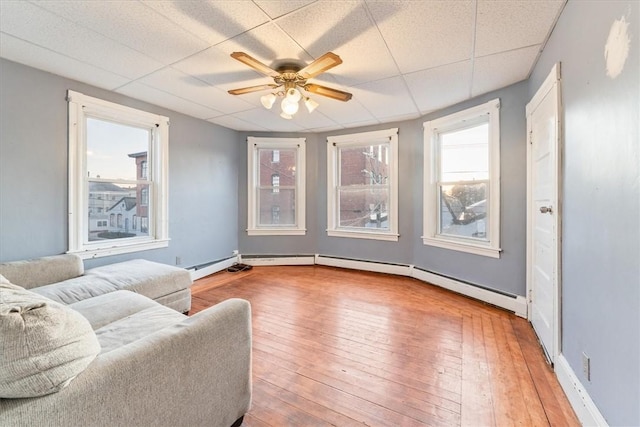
{"x":44,"y":345}
{"x":137,"y":326}
{"x":42,"y":271}
{"x":107,"y":308}
{"x":148,"y":278}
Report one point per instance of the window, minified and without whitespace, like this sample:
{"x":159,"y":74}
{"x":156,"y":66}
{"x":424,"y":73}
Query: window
{"x":275,"y":156}
{"x":462,"y":181}
{"x":122,"y":151}
{"x":274,"y":185}
{"x":362,"y":190}
{"x":144,"y":196}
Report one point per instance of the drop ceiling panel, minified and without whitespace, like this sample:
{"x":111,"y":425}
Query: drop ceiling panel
{"x":211,"y":21}
{"x":503,"y":69}
{"x":386,"y":98}
{"x":425,"y":34}
{"x":269,"y":119}
{"x":35,"y":56}
{"x":233,"y":122}
{"x":345,"y":29}
{"x":440,"y":87}
{"x":268,"y":44}
{"x":132,"y":24}
{"x":197,"y":91}
{"x":503,"y":25}
{"x":276,"y":9}
{"x":167,"y":100}
{"x":217,"y":68}
{"x":311,"y":120}
{"x":29,"y":22}
{"x":343,"y":112}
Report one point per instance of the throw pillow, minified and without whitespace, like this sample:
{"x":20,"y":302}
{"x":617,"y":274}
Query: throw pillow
{"x":44,"y":344}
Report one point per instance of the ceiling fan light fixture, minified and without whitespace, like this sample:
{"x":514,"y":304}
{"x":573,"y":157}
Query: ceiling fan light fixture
{"x":286,"y":116}
{"x":310,"y":104}
{"x":268,"y":100}
{"x":289,"y":106}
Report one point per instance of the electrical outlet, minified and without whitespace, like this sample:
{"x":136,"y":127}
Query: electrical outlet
{"x":178,"y":260}
{"x":586,"y":367}
{"x":235,"y":252}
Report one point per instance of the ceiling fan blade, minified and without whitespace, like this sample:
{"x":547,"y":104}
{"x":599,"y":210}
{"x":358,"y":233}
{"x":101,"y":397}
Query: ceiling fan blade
{"x":328,"y":92}
{"x":255,"y":64}
{"x":320,"y":65}
{"x":250,"y":89}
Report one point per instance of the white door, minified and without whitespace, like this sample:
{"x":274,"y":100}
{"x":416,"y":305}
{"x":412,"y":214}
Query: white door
{"x":543,"y":209}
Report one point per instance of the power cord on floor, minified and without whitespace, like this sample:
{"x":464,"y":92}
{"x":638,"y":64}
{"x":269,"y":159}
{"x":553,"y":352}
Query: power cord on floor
{"x":237,"y":267}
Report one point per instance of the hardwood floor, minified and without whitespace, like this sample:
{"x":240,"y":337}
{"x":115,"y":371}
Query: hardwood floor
{"x":350,"y":348}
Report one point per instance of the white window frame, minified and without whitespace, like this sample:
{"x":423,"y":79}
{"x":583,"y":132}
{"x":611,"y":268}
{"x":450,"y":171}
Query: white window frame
{"x":254,"y":144}
{"x":334,"y":143}
{"x":80,"y":107}
{"x":432,"y":130}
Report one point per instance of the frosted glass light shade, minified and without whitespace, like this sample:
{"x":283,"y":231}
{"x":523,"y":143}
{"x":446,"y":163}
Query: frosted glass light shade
{"x":268,"y":100}
{"x":289,"y":106}
{"x":286,"y":116}
{"x":293,"y":94}
{"x":310,"y":104}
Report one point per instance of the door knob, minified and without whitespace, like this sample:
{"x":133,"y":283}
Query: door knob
{"x":546,"y":209}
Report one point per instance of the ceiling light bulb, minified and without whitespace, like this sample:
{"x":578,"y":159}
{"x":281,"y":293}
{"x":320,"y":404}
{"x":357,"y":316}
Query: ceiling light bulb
{"x":289,"y":106}
{"x":310,"y":104}
{"x":293,"y":94}
{"x":268,"y":100}
{"x":286,"y":116}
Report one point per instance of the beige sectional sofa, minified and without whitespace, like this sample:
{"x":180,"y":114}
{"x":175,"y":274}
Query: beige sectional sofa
{"x":104,"y":348}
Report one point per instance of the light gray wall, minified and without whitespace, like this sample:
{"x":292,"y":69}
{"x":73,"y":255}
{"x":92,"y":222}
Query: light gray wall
{"x":506,"y":274}
{"x":203,"y":174}
{"x":280,"y":245}
{"x":601,"y":217}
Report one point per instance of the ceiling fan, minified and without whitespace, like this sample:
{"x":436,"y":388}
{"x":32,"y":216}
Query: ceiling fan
{"x":290,"y":77}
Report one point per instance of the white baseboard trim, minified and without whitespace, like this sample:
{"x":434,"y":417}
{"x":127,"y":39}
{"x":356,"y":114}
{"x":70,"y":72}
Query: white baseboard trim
{"x":287,"y":260}
{"x":401,"y":270}
{"x":518,"y":305}
{"x":585,"y":409}
{"x":213,"y":268}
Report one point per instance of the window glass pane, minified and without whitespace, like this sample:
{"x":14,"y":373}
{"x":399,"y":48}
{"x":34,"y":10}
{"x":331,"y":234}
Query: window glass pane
{"x":285,"y":168}
{"x":464,"y":154}
{"x":115,"y":151}
{"x":277,"y":208}
{"x":364,"y":208}
{"x":463,"y":210}
{"x":115,"y":211}
{"x":364,"y":165}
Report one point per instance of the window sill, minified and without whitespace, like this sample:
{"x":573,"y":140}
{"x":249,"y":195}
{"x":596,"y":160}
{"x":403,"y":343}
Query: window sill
{"x":276,"y":232}
{"x":389,"y":237}
{"x":462,"y":247}
{"x":89,"y":253}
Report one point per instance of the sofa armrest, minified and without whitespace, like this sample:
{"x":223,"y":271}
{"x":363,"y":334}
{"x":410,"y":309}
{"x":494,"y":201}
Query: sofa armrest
{"x":42,"y":271}
{"x":196,"y":372}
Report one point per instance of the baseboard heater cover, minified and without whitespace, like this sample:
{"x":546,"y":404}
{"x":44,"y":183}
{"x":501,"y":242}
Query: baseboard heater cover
{"x":201,"y":270}
{"x":266,"y":260}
